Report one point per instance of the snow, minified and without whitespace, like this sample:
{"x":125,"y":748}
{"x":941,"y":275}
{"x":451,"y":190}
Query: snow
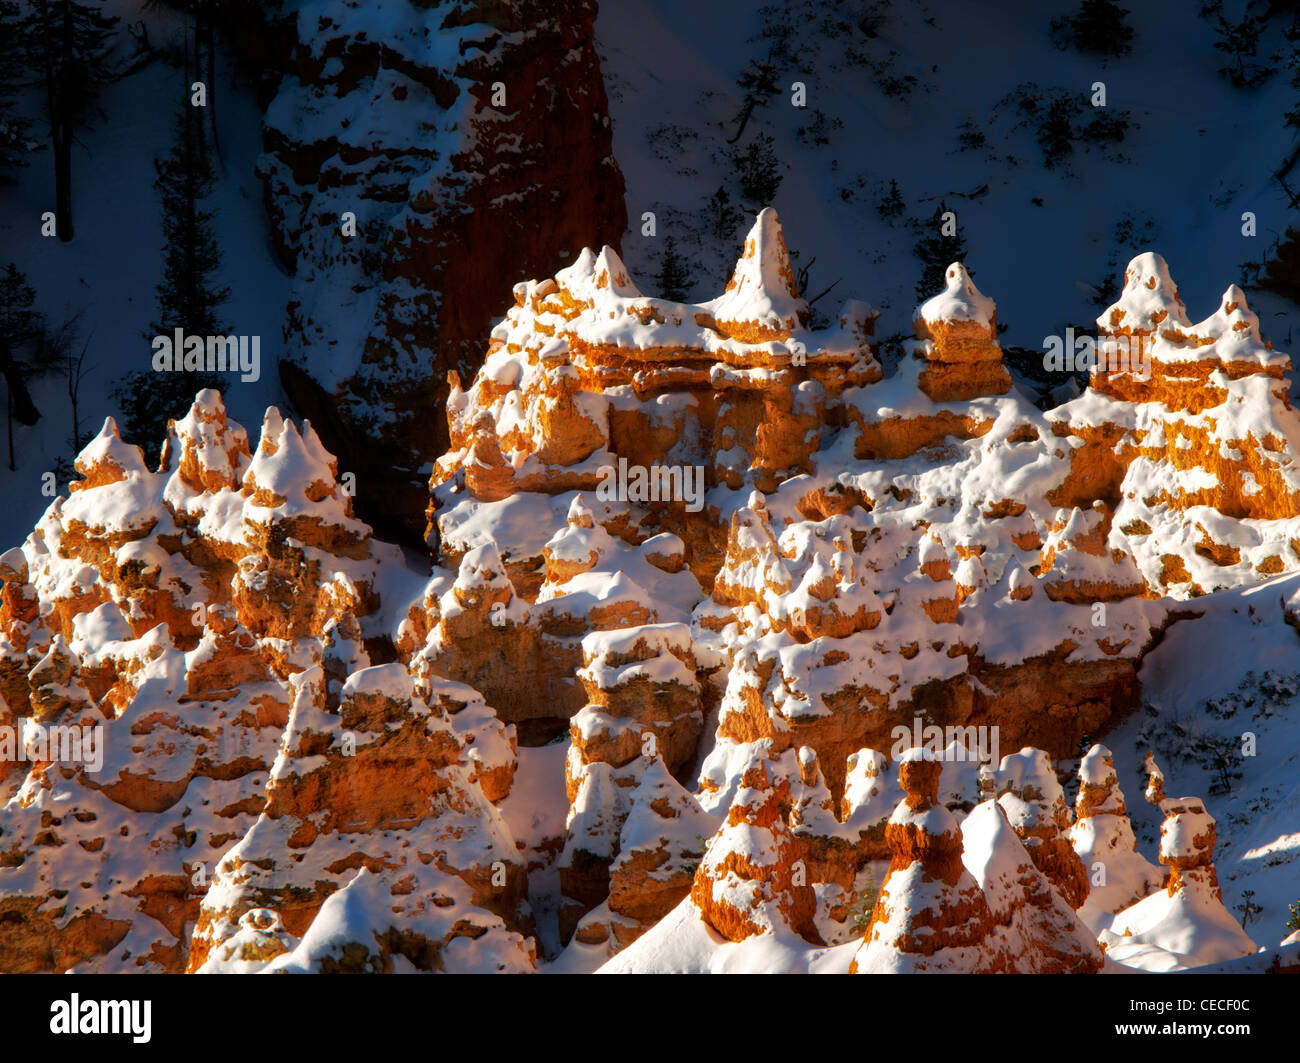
{"x":682,"y":943}
{"x":959,"y":302}
{"x":385,"y":680}
{"x":1035,"y":283}
{"x":762,"y":289}
{"x":1192,"y":160}
{"x":1191,"y":928}
{"x":1149,"y":300}
{"x":109,"y":270}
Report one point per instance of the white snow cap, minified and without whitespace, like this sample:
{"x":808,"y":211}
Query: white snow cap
{"x":1149,"y":299}
{"x":931,"y":550}
{"x":288,"y":463}
{"x":960,"y":300}
{"x":763,"y":288}
{"x":1186,"y":831}
{"x":1233,"y":318}
{"x":388,"y":680}
{"x":592,"y":274}
{"x":108,"y":447}
{"x":1097,"y":768}
{"x":610,"y":273}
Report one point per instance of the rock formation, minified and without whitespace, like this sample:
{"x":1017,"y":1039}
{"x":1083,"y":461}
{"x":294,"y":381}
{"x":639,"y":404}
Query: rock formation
{"x":1102,"y":836}
{"x":1034,"y":803}
{"x":719,"y":561}
{"x":1186,"y":924}
{"x":1185,"y":436}
{"x":660,"y":844}
{"x":1043,"y":933}
{"x":384,"y":160}
{"x":931,"y":915}
{"x":958,"y":329}
{"x":177,"y":645}
{"x":642,"y":421}
{"x":374,"y":843}
{"x":753,"y":878}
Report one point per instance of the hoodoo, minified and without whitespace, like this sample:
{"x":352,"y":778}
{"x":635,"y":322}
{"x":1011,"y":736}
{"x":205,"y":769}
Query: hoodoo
{"x":351,"y":767}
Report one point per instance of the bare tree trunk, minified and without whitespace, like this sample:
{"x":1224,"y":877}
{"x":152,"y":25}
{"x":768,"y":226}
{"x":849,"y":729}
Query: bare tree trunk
{"x":210,"y":33}
{"x":76,"y":367}
{"x":60,"y":124}
{"x":55,"y":107}
{"x":63,"y":186}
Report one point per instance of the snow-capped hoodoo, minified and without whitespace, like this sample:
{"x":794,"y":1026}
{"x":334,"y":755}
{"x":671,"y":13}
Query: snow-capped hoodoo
{"x":931,"y":915}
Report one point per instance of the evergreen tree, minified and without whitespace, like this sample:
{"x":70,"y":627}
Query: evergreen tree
{"x":725,"y":216}
{"x":1292,"y":35}
{"x":15,"y":137}
{"x":67,"y":44}
{"x":66,"y":346}
{"x":758,"y":171}
{"x":200,"y":52}
{"x":188,"y":295}
{"x":205,"y":34}
{"x":1239,"y":41}
{"x":1281,"y":272}
{"x":20,"y":333}
{"x":937,"y":251}
{"x":1056,"y":131}
{"x":673,"y":281}
{"x":1097,"y":28}
{"x":757,"y":85}
{"x":891,"y":204}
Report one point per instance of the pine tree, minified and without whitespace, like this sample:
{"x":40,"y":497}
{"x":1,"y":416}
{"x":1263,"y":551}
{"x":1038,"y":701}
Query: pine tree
{"x":67,"y":45}
{"x":66,"y":347}
{"x":937,"y":251}
{"x":725,"y":216}
{"x":20,"y":331}
{"x":759,"y":172}
{"x":188,"y":296}
{"x":1097,"y":28}
{"x":1292,"y":62}
{"x":1056,"y":131}
{"x":757,"y":84}
{"x":1281,"y":273}
{"x":1239,"y":41}
{"x":15,"y":136}
{"x":206,"y":14}
{"x":673,"y":281}
{"x":891,"y":204}
{"x":200,"y":52}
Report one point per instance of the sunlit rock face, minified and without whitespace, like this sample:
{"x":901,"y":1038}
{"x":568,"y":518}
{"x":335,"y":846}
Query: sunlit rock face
{"x":717,"y":626}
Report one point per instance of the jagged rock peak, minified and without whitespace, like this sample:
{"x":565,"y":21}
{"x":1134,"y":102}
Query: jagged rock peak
{"x":1148,"y":301}
{"x":107,"y":459}
{"x":763,"y":292}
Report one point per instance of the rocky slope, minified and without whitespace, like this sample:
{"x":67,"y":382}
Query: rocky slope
{"x":419,"y":159}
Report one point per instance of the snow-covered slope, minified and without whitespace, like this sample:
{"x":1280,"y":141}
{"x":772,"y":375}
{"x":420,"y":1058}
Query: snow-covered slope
{"x":1196,"y":155}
